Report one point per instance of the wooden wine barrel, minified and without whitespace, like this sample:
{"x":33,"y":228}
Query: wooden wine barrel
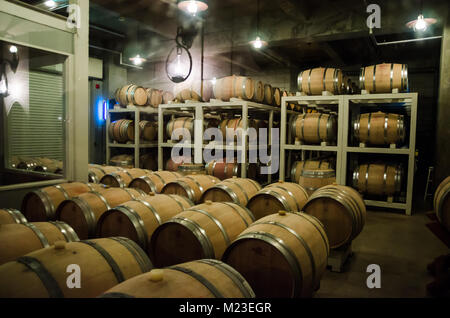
{"x":441,"y":203}
{"x":268,"y":94}
{"x":314,"y":128}
{"x":187,"y":169}
{"x":258,"y":96}
{"x":298,"y":167}
{"x":380,"y":128}
{"x":155,"y":181}
{"x":378,"y":179}
{"x":132,"y":95}
{"x":198,"y":279}
{"x":148,"y":130}
{"x":103,"y":264}
{"x":224,"y":88}
{"x":281,"y":196}
{"x":154,"y":97}
{"x":341,"y":210}
{"x":236,"y":190}
{"x":40,"y":205}
{"x":49,"y":166}
{"x":312,"y":180}
{"x":232,"y":129}
{"x":121,"y":130}
{"x":20,"y":239}
{"x":383,"y":78}
{"x":123,"y":161}
{"x":11,"y":216}
{"x":187,"y":94}
{"x":97,"y":172}
{"x":317,"y":80}
{"x":167,"y":97}
{"x":138,"y":219}
{"x":191,"y":187}
{"x":186,"y":123}
{"x":83,"y":212}
{"x":226,"y":170}
{"x":244,"y":88}
{"x":277,"y":95}
{"x":122,"y":179}
{"x":203,"y":231}
{"x":283,"y":255}
{"x":174,"y":163}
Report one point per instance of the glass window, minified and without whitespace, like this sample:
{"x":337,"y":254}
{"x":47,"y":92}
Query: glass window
{"x":33,"y":104}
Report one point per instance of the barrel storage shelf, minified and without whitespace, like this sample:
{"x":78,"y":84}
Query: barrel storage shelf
{"x":138,"y":144}
{"x":198,"y":111}
{"x":395,"y":102}
{"x":326,"y":104}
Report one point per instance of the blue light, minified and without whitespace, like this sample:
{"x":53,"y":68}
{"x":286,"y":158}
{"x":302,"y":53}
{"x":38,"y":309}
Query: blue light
{"x":101,"y":109}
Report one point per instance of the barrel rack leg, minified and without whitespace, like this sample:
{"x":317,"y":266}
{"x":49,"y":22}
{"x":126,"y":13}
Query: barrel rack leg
{"x":338,"y":257}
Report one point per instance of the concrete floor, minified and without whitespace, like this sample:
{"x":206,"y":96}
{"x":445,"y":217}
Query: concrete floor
{"x":403,"y":247}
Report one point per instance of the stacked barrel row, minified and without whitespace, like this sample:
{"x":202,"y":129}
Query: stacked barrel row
{"x":139,"y":96}
{"x":381,"y":78}
{"x":123,"y":130}
{"x":197,"y":224}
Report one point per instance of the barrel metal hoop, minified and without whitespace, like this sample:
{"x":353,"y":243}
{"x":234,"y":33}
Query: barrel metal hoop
{"x":216,"y":221}
{"x":290,"y":194}
{"x":149,"y":182}
{"x":392,"y":76}
{"x":362,"y":78}
{"x":88,"y":214}
{"x":201,"y":279}
{"x":177,"y":197}
{"x":386,"y":122}
{"x":303,"y":126}
{"x":325,"y":239}
{"x":285,"y":250}
{"x":300,"y":239}
{"x":368,"y":126}
{"x":324,"y":77}
{"x":49,"y":282}
{"x":335,"y":81}
{"x":228,"y":191}
{"x":385,"y":178}
{"x":374,"y":78}
{"x":199,"y":233}
{"x":356,"y":177}
{"x":243,"y":191}
{"x":189,"y":191}
{"x":67,"y":231}
{"x":38,"y":233}
{"x":119,"y":179}
{"x":63,"y":191}
{"x":309,"y":81}
{"x":18,"y":217}
{"x":302,"y":189}
{"x":151,"y":208}
{"x":235,"y":277}
{"x":141,"y":258}
{"x":102,"y":198}
{"x":108,"y":258}
{"x":49,"y":206}
{"x":137,"y":222}
{"x":231,"y":205}
{"x":366,"y":181}
{"x":318,"y":127}
{"x":300,"y":82}
{"x":197,"y":183}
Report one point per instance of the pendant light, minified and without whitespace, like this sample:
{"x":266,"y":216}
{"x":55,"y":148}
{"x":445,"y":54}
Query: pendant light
{"x":179,"y":61}
{"x":421,"y":23}
{"x":258,"y":43}
{"x":192,"y":7}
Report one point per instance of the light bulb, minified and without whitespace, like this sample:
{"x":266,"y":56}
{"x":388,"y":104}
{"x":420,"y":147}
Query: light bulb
{"x":178,"y":69}
{"x":192,"y":7}
{"x":50,"y":3}
{"x":257,"y":44}
{"x":13,"y":49}
{"x":137,"y":60}
{"x":214,"y":81}
{"x":3,"y":88}
{"x":421,"y":24}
